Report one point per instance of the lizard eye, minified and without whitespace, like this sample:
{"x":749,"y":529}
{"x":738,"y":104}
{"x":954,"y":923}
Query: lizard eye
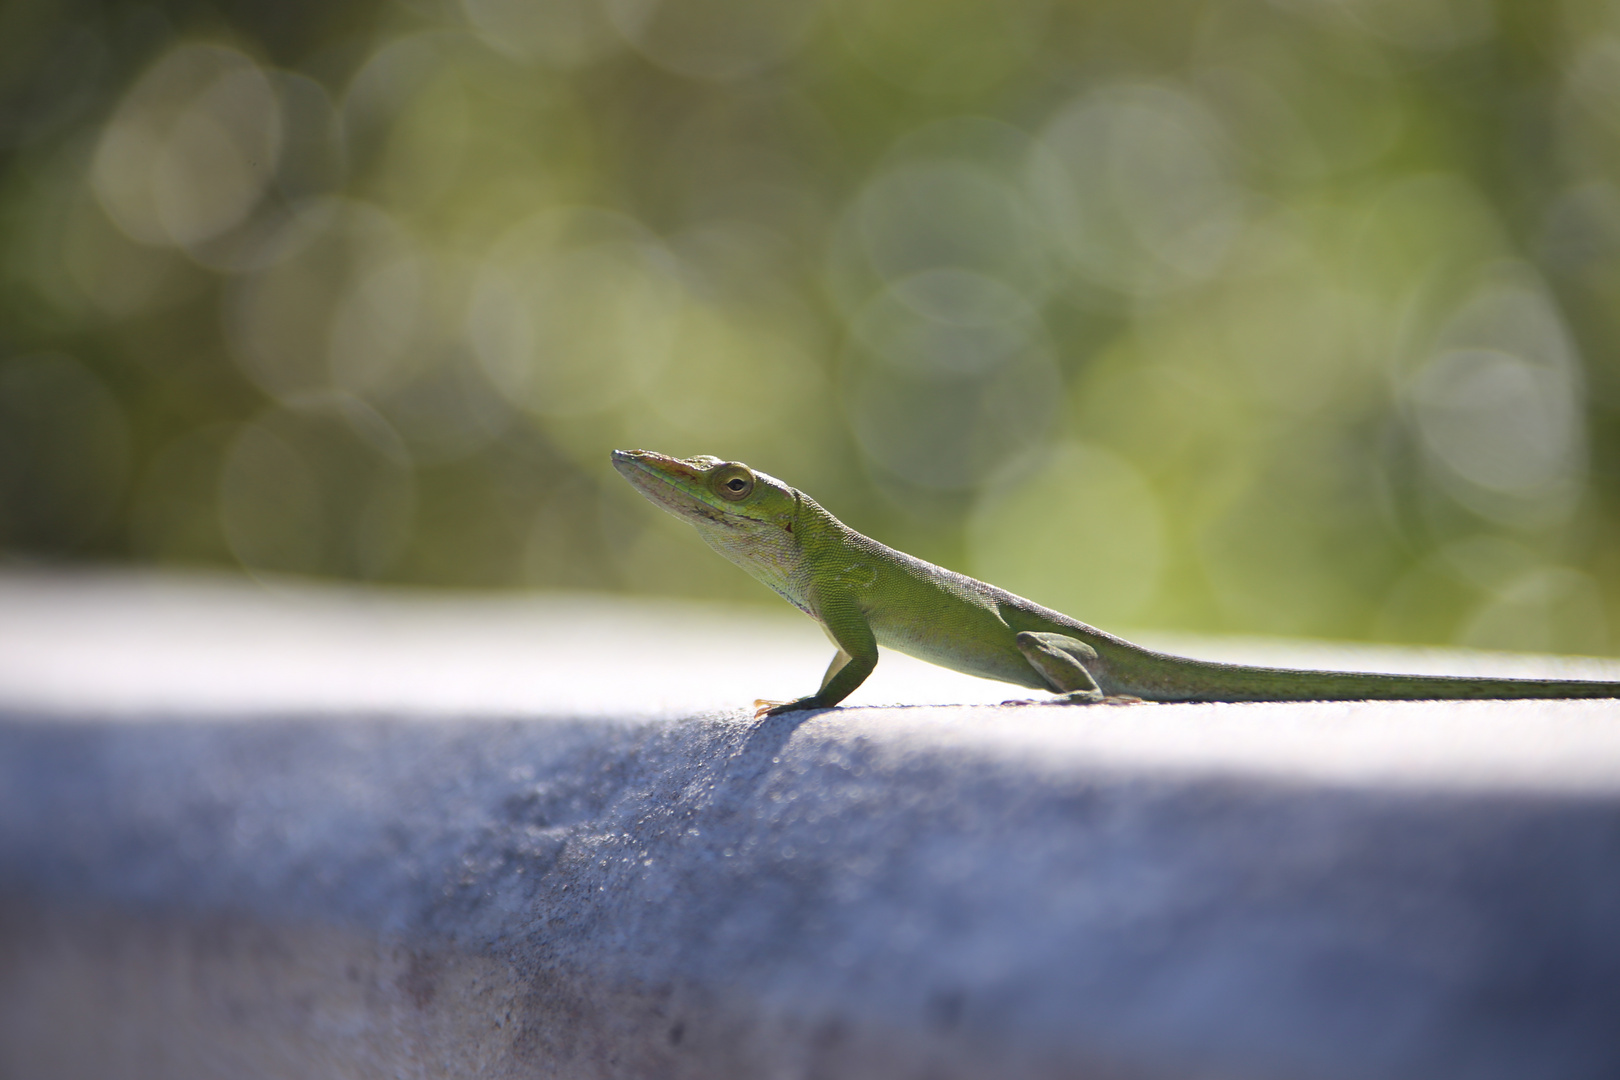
{"x":735,"y":483}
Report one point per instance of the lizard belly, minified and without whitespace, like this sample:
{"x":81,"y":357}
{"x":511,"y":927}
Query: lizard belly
{"x":972,"y":654}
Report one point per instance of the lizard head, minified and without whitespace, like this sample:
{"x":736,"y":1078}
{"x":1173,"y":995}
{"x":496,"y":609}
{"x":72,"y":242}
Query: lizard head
{"x":710,"y":492}
{"x":745,"y":515}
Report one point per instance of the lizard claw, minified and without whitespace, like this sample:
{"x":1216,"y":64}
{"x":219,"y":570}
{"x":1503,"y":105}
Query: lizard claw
{"x":762,"y":707}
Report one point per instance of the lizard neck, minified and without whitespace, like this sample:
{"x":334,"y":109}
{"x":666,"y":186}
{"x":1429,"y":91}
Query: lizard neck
{"x":778,"y":551}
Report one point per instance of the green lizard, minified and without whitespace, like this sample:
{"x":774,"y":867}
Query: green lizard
{"x":865,"y":594}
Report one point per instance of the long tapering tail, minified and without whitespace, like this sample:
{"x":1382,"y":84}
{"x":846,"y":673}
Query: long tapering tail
{"x":1161,"y":677}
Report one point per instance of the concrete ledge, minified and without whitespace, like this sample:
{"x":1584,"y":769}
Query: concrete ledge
{"x":362,"y":886}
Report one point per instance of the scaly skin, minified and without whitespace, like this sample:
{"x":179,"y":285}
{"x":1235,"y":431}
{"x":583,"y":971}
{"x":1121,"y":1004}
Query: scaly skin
{"x":865,"y":594}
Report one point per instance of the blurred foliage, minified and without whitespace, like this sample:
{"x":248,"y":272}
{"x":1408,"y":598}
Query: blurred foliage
{"x":1292,"y":316}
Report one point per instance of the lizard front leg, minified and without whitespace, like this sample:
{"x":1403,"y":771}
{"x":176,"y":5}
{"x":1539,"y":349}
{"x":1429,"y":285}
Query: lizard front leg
{"x":856,"y":657}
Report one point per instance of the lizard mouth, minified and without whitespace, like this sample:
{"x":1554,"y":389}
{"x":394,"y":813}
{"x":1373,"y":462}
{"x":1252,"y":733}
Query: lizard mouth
{"x":649,"y":474}
{"x":659,"y":477}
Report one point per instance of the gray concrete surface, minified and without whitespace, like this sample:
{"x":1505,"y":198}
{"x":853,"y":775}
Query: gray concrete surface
{"x":298,"y":832}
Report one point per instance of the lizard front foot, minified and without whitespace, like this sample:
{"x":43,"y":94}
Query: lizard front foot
{"x":763,"y":708}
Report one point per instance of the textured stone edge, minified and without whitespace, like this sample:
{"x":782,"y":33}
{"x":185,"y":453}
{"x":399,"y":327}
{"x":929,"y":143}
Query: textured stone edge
{"x":716,"y":898}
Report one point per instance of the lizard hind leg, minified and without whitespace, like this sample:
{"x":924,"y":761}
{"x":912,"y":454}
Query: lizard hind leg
{"x":1061,"y":661}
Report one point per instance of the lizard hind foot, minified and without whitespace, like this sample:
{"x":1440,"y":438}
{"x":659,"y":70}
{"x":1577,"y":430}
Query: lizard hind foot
{"x":1082,"y":697}
{"x":1097,"y":697}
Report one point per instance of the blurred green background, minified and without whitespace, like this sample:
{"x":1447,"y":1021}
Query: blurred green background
{"x":1297,"y":317}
